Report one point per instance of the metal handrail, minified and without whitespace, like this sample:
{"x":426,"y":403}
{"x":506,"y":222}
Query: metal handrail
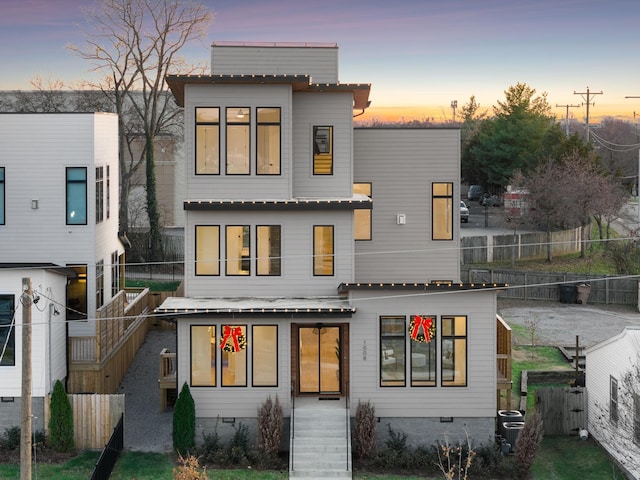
{"x":347,"y":422}
{"x":292,"y":426}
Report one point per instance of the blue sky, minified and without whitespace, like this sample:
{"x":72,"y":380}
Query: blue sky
{"x":419,"y":55}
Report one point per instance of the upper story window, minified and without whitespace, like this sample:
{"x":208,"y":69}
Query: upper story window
{"x":2,"y":196}
{"x":323,"y":258}
{"x":207,"y":250}
{"x":108,"y":193}
{"x":207,"y":141}
{"x":99,"y":194}
{"x":323,"y":150}
{"x":442,"y":211}
{"x":362,"y":216}
{"x":238,"y":140}
{"x":7,"y":331}
{"x":268,"y":141}
{"x":454,"y":351}
{"x":238,"y":247}
{"x":268,"y":239}
{"x":76,"y":184}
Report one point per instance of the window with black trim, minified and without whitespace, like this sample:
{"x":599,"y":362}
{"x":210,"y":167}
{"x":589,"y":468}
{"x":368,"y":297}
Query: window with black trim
{"x":613,"y":400}
{"x":454,"y":351}
{"x":264,"y":361}
{"x":233,"y":355}
{"x":207,"y":248}
{"x":268,"y":255}
{"x":76,"y":195}
{"x":442,"y":211}
{"x":323,"y":255}
{"x":115,"y":274}
{"x":99,"y":194}
{"x":422,"y":336}
{"x":268,"y":141}
{"x":238,"y":140}
{"x":7,"y":330}
{"x":323,"y":150}
{"x":2,"y":197}
{"x":77,"y":293}
{"x":108,"y":194}
{"x":392,"y":351}
{"x":99,"y":283}
{"x":203,"y":355}
{"x":207,"y":141}
{"x":362,"y":216}
{"x":238,"y":256}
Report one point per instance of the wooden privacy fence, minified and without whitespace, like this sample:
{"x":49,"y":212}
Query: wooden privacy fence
{"x":94,"y":418}
{"x":606,"y":289}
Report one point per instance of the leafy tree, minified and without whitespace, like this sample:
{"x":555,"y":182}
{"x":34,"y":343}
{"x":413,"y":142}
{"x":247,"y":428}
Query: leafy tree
{"x":61,"y":420}
{"x":135,"y":43}
{"x":184,"y":422}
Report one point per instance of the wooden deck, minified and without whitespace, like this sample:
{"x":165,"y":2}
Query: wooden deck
{"x":167,"y":380}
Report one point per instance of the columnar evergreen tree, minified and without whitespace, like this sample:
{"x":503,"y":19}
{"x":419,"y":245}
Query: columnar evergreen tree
{"x":61,"y":420}
{"x":184,"y":422}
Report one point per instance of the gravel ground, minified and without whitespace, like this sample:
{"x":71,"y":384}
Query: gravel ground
{"x":145,"y":428}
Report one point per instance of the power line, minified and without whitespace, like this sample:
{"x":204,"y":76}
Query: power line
{"x":587,"y":102}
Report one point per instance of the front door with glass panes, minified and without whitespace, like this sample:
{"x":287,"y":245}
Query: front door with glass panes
{"x":319,"y":354}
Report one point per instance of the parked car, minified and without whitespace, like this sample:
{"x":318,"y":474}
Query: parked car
{"x":490,"y":200}
{"x":464,"y":212}
{"x":475,"y":192}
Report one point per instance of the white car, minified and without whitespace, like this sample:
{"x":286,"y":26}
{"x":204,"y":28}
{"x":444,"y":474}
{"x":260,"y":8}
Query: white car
{"x":464,"y":212}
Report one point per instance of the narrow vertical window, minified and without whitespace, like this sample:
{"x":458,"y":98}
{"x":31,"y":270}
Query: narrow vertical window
{"x":442,"y":211}
{"x":203,"y":355}
{"x":323,"y":150}
{"x":207,"y":250}
{"x":108,"y":194}
{"x":636,"y":418}
{"x":362,"y":216}
{"x":268,"y":256}
{"x":323,"y":255}
{"x":264,"y":361}
{"x":76,"y":193}
{"x":268,"y":141}
{"x":77,"y":293}
{"x":99,"y":283}
{"x":454,"y":351}
{"x":238,"y":248}
{"x":99,"y":194}
{"x":238,"y":142}
{"x":7,"y":331}
{"x":422,"y":337}
{"x":613,"y":400}
{"x":115,"y":274}
{"x":392,"y":351}
{"x":233,"y":355}
{"x":207,"y":141}
{"x":2,"y":197}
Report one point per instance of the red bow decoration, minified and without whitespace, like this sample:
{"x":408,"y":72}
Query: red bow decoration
{"x":233,"y":333}
{"x":425,"y":324}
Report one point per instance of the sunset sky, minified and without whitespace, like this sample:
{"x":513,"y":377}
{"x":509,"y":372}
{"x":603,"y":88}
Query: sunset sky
{"x":419,"y":55}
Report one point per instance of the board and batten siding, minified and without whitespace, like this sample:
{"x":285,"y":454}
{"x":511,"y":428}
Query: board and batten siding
{"x":401,"y":165}
{"x":297,"y":277}
{"x":477,"y":399}
{"x":326,"y":109}
{"x":238,"y":187}
{"x":319,"y":62}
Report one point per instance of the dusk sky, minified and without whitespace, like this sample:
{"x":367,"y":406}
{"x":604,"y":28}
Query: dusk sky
{"x":419,"y":55}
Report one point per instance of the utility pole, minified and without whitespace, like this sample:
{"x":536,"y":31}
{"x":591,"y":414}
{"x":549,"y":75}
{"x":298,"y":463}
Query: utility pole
{"x":587,"y":102}
{"x":566,"y":121}
{"x":25,"y":424}
{"x":454,"y":105}
{"x":638,"y":181}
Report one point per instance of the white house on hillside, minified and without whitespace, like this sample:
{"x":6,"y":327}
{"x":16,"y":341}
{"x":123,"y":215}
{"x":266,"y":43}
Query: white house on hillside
{"x":613,"y":388}
{"x":322,"y":261}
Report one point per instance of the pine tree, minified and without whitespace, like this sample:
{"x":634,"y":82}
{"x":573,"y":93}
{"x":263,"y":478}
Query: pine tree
{"x":61,"y":421}
{"x":184,"y":422}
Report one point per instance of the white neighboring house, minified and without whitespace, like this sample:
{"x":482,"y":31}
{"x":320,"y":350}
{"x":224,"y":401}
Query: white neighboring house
{"x":59,"y":208}
{"x":613,"y":388}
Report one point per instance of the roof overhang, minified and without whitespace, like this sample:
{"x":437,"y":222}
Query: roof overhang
{"x":299,"y":83}
{"x":51,"y":267}
{"x":357,"y":201}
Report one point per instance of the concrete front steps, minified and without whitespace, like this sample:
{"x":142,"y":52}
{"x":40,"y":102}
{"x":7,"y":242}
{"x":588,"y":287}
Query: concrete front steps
{"x":320,"y":440}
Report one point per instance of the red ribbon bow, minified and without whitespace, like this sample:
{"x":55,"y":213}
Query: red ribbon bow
{"x":232,"y":333}
{"x":425,"y":324}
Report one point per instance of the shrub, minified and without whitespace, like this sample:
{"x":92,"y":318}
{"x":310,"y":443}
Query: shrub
{"x":455,"y":461}
{"x":625,"y":256}
{"x":184,"y":422}
{"x":61,"y":420}
{"x":10,"y":440}
{"x":189,"y":469}
{"x":270,"y":426}
{"x":397,"y":441}
{"x":365,"y":430}
{"x":528,"y":441}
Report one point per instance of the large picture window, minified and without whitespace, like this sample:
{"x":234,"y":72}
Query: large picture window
{"x":203,"y":355}
{"x":207,"y":141}
{"x":207,"y":250}
{"x":238,"y":141}
{"x":268,"y":141}
{"x":362,"y":216}
{"x":264,"y":347}
{"x":7,"y":331}
{"x":269,"y":258}
{"x":454,"y":351}
{"x":423,"y":351}
{"x":238,"y":250}
{"x":323,"y":150}
{"x":234,"y":363}
{"x":392,"y":351}
{"x":76,"y":195}
{"x":442,"y":211}
{"x":2,"y":196}
{"x":323,"y":258}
